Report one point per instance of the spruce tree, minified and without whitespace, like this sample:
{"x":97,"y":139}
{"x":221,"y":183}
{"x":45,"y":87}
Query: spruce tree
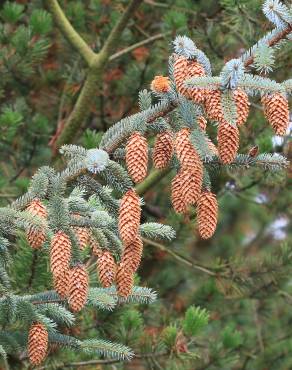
{"x":86,"y":214}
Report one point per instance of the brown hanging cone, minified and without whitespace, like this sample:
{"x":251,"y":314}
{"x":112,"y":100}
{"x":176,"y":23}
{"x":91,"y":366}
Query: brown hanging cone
{"x":78,"y":288}
{"x":195,"y":70}
{"x":37,"y":343}
{"x":213,"y":105}
{"x":228,"y":142}
{"x":185,"y":151}
{"x":61,"y":283}
{"x":177,"y":198}
{"x":132,"y":254}
{"x":37,"y":208}
{"x":180,"y":69}
{"x":82,"y":234}
{"x":163,"y":149}
{"x":96,"y":250}
{"x":106,"y":269}
{"x":202,"y":123}
{"x":137,"y":157}
{"x":124,"y":280}
{"x":191,"y":184}
{"x":36,"y":238}
{"x":207,"y":213}
{"x":160,"y":84}
{"x":242,"y":106}
{"x":183,"y":70}
{"x":277,"y":112}
{"x":254,"y":151}
{"x":60,"y":253}
{"x":129,"y":216}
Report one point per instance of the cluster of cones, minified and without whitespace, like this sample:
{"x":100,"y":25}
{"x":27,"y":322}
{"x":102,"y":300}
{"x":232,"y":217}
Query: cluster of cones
{"x":187,"y":186}
{"x":275,"y":106}
{"x":69,"y":282}
{"x":72,"y":282}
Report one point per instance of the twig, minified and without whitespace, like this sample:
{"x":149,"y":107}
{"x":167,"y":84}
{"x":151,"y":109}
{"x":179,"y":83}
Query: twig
{"x":258,"y":328}
{"x":166,"y":6}
{"x":33,"y":268}
{"x":109,"y":362}
{"x":180,"y":257}
{"x":147,"y":41}
{"x":277,"y":38}
{"x":153,"y":178}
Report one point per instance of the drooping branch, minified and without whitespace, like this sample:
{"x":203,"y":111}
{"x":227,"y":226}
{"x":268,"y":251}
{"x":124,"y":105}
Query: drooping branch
{"x":179,"y":257}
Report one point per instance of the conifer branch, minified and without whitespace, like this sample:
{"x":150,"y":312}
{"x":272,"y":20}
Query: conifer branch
{"x":281,"y":35}
{"x":180,"y":258}
{"x":147,"y":41}
{"x":154,"y":177}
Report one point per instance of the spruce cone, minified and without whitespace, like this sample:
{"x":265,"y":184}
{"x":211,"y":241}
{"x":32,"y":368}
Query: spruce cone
{"x":228,"y":142}
{"x":277,"y":112}
{"x":160,"y":84}
{"x":242,"y":106}
{"x":163,"y":149}
{"x":214,"y":108}
{"x":36,"y":238}
{"x":202,"y":123}
{"x":106,"y":268}
{"x":129,"y":216}
{"x":183,"y":70}
{"x":137,"y":157}
{"x":132,"y":254}
{"x":96,"y":250}
{"x":60,"y":253}
{"x":124,"y":280}
{"x":177,"y":197}
{"x":61,"y":283}
{"x":254,"y":151}
{"x":78,"y":288}
{"x":82,"y":234}
{"x":186,"y":153}
{"x":180,"y":73}
{"x":213,"y":105}
{"x":191,"y":184}
{"x":207,"y":212}
{"x":37,"y":343}
{"x":196,"y":70}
